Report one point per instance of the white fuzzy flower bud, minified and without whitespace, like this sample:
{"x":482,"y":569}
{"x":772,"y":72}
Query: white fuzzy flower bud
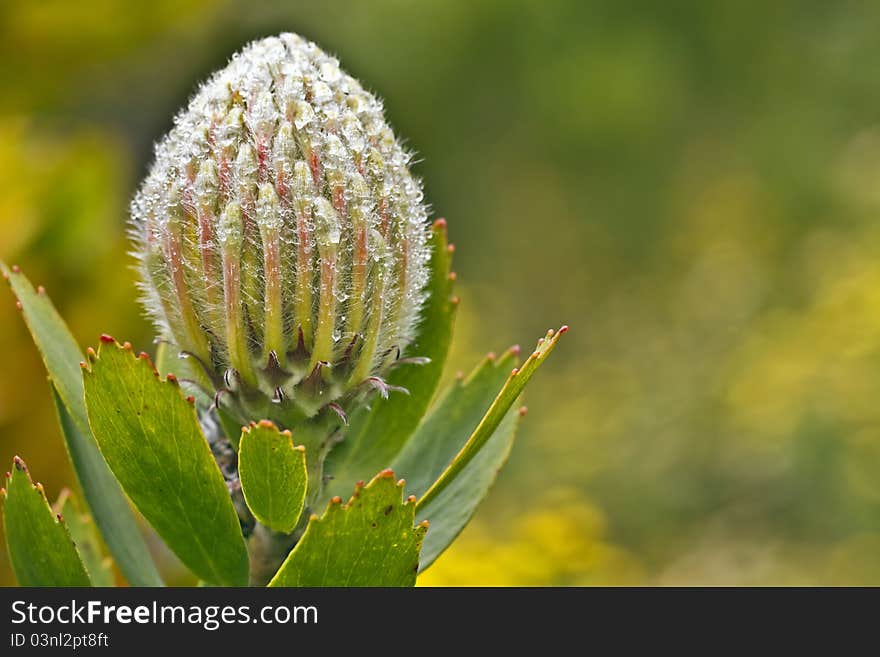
{"x":282,"y":237}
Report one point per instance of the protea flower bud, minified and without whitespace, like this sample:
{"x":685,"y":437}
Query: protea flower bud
{"x":281,"y":235}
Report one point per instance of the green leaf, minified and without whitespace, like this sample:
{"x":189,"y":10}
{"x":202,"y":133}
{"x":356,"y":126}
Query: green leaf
{"x":273,"y":475}
{"x":370,"y":541}
{"x":119,"y":528}
{"x":453,"y":507}
{"x":450,"y":423}
{"x":168,"y":362}
{"x":151,"y":439}
{"x":62,"y":356}
{"x":376,"y":435}
{"x":450,"y":463}
{"x":505,"y":399}
{"x":86,"y":538}
{"x":40,"y":548}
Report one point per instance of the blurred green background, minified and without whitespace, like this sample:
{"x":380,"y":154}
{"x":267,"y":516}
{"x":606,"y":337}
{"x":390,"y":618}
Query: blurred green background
{"x":692,"y":186}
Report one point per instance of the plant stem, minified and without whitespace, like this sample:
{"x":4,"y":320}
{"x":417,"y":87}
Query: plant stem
{"x":267,"y":550}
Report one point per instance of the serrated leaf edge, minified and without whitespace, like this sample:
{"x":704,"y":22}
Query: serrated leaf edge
{"x":19,"y":465}
{"x":143,"y":359}
{"x":268,"y":424}
{"x":335,"y":506}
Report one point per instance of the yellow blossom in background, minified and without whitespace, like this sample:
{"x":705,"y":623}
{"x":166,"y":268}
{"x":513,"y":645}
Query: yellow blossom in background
{"x":562,"y":543}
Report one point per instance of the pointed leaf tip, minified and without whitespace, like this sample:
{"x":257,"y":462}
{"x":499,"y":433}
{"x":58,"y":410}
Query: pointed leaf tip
{"x":451,"y":498}
{"x":41,"y":551}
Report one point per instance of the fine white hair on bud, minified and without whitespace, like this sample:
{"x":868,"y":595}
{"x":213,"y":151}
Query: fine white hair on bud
{"x":281,"y":238}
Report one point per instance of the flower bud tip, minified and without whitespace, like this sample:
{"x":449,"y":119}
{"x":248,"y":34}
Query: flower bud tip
{"x":523,"y":410}
{"x":41,"y":290}
{"x":18,"y":304}
{"x":19,"y":464}
{"x":336,"y":500}
{"x":440,"y":223}
{"x":191,"y":399}
{"x":107,"y":339}
{"x":411,"y":499}
{"x":563,"y":329}
{"x":16,"y":269}
{"x":514,"y":371}
{"x":387,"y":473}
